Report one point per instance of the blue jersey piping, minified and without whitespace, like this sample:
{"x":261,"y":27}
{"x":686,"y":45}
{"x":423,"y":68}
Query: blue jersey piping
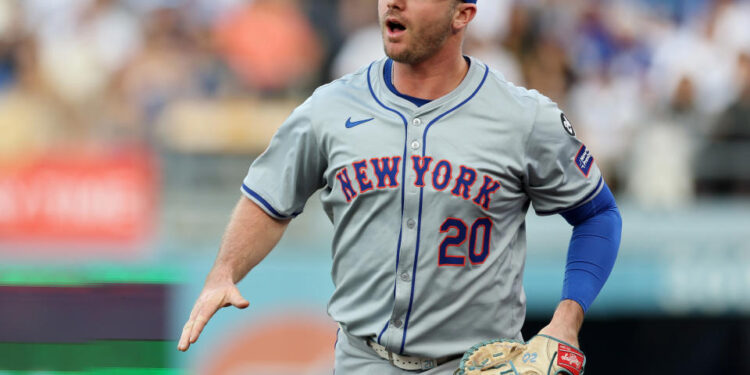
{"x":267,"y":205}
{"x":388,"y":78}
{"x":421,"y":194}
{"x":403,"y":185}
{"x":385,"y":326}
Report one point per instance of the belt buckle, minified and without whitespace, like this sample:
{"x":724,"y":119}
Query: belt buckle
{"x":428,"y":364}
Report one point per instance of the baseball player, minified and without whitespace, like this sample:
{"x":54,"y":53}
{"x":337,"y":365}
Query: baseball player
{"x":428,"y":161}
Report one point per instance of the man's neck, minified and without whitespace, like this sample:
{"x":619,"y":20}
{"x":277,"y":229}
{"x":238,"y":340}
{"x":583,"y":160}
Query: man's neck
{"x":432,"y":78}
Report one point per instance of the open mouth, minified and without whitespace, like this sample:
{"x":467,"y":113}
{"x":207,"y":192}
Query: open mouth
{"x":394,"y":26}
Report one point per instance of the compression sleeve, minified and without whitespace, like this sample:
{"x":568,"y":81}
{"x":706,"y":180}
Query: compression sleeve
{"x":597,"y":228}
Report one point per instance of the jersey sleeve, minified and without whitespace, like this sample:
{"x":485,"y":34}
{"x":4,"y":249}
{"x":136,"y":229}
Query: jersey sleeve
{"x":561,"y":173}
{"x":290,"y":170}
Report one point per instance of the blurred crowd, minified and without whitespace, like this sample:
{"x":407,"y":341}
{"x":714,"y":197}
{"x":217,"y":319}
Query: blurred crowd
{"x":658,"y":89}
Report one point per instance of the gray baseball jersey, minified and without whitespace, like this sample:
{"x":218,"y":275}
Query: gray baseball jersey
{"x":427,"y":203}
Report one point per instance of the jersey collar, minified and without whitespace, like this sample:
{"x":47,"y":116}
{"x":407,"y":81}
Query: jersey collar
{"x":468,"y":85}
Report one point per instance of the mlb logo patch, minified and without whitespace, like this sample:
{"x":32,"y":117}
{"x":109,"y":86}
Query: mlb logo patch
{"x":567,"y":125}
{"x":584,"y":160}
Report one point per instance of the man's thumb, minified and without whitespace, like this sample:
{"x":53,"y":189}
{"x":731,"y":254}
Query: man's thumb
{"x":238,"y":301}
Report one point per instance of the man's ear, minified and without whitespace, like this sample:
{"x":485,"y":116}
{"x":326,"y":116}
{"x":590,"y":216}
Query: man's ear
{"x":465,"y":12}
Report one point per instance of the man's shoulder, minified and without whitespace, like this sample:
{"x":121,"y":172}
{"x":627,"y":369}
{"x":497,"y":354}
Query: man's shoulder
{"x":498,"y":86}
{"x":524,"y":105}
{"x":337,"y":96}
{"x":350,"y":84}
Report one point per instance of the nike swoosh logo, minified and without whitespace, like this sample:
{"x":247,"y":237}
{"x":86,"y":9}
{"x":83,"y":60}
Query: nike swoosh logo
{"x":351,"y":124}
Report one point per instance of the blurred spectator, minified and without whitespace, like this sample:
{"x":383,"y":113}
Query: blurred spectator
{"x":732,"y":19}
{"x":680,"y":11}
{"x":606,"y":110}
{"x":491,"y":23}
{"x":160,"y":72}
{"x":547,"y":69}
{"x":727,"y":155}
{"x":325,"y":18}
{"x":9,"y":42}
{"x":661,"y":167}
{"x":28,"y":124}
{"x":691,"y":52}
{"x":484,"y":39}
{"x":494,"y":55}
{"x":363,"y":38}
{"x":595,"y":44}
{"x":270,"y":44}
{"x":358,"y":50}
{"x":734,"y":123}
{"x":79,"y":52}
{"x":518,"y":33}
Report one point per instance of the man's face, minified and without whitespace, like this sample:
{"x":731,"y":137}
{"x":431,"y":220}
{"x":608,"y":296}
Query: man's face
{"x":414,"y":30}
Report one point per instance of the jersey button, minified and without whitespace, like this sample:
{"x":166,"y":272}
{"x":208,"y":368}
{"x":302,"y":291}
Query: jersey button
{"x":416,"y":122}
{"x":396,"y":323}
{"x":415,"y":145}
{"x":405,"y":276}
{"x":410,"y":223}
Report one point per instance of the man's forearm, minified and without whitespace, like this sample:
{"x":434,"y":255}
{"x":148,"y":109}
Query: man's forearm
{"x":568,"y":316}
{"x":566,"y":322}
{"x":250,"y":235}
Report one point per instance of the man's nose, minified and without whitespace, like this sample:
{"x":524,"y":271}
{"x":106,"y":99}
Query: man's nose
{"x":396,"y":4}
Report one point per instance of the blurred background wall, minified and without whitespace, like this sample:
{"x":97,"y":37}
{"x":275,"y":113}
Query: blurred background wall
{"x":126,"y":128}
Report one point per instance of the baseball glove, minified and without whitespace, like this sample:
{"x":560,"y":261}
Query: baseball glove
{"x":542,"y":355}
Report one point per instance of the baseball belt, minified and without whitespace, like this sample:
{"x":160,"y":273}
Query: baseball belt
{"x":408,"y":363}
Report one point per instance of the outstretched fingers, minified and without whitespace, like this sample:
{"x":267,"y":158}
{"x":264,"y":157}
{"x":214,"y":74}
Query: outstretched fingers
{"x":200,"y":322}
{"x":204,"y":309}
{"x":195,"y":323}
{"x":184,"y":343}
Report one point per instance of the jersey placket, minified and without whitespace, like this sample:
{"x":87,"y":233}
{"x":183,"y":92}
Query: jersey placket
{"x":395,"y":333}
{"x":410,"y":250}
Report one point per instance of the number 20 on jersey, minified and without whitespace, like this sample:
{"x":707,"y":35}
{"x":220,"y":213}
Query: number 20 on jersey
{"x":479,"y":241}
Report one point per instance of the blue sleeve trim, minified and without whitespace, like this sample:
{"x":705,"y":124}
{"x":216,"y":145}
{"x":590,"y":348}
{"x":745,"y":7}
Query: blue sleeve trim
{"x":593,"y":247}
{"x":602,"y":202}
{"x":586,"y":198}
{"x":267,"y":205}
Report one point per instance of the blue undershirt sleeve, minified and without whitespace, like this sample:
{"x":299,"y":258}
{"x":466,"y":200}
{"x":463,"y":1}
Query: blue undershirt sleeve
{"x":597,"y":228}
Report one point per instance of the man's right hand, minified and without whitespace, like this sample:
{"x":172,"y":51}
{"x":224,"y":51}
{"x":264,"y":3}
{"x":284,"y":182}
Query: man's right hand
{"x":250,"y":236}
{"x":213,"y":297}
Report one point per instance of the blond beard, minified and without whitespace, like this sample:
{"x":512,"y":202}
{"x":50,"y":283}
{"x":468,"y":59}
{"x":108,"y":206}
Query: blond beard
{"x":426,"y":42}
